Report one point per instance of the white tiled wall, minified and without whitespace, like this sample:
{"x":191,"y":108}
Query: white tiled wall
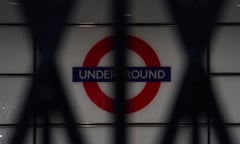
{"x":13,"y":93}
{"x":230,"y":11}
{"x":136,"y":135}
{"x":99,"y":11}
{"x":15,"y":50}
{"x":6,"y":133}
{"x":225,"y":49}
{"x":234,"y":132}
{"x":10,"y":11}
{"x":227,"y":93}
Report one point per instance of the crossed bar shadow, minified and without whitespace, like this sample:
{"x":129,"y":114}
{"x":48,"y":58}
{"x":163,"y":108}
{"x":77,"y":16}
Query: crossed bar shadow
{"x":196,"y":20}
{"x":46,"y":19}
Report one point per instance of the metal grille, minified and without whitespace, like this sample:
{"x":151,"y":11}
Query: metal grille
{"x":195,"y":22}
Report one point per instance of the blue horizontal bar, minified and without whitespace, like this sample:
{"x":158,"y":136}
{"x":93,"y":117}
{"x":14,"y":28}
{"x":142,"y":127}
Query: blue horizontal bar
{"x":132,"y":74}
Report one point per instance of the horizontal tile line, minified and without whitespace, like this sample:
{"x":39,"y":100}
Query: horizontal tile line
{"x":15,"y":74}
{"x":92,"y":125}
{"x":224,"y":74}
{"x":130,"y":24}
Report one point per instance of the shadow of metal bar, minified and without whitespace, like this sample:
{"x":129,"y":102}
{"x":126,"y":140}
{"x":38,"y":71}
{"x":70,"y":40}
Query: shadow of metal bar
{"x":196,"y":20}
{"x":46,"y":20}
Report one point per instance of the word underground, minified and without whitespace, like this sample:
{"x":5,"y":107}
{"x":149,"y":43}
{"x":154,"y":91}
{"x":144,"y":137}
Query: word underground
{"x":107,"y":74}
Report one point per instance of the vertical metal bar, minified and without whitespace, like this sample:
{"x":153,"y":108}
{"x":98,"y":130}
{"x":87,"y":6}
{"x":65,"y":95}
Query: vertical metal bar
{"x":119,"y":45}
{"x":195,"y":130}
{"x":34,"y":76}
{"x":208,"y":66}
{"x":46,"y":128}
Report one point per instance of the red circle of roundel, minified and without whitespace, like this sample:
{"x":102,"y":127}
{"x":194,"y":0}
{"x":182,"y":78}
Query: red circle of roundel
{"x":140,"y":100}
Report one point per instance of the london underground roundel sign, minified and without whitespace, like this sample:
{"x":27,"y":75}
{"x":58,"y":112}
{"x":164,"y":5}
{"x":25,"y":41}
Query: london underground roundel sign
{"x":90,"y":74}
